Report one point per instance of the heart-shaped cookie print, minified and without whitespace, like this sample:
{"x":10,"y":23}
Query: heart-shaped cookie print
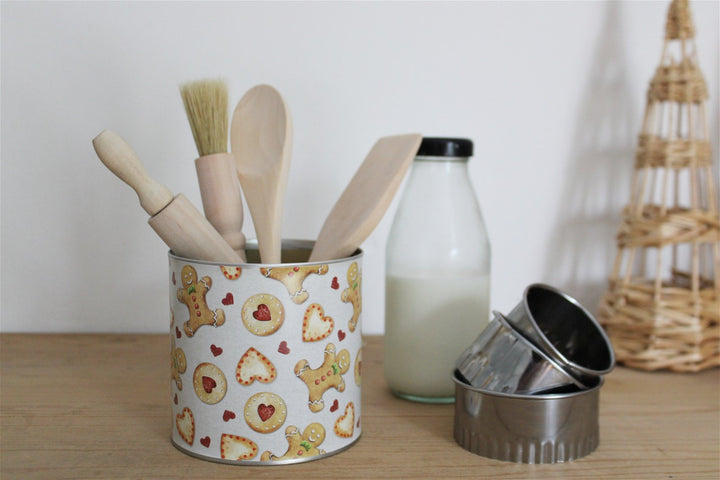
{"x":235,"y":447}
{"x":205,"y":441}
{"x":185,"y":423}
{"x":216,"y":350}
{"x":228,"y":300}
{"x":283,"y":348}
{"x":345,"y":424}
{"x":252,"y":366}
{"x":265,"y":411}
{"x":262,"y":314}
{"x":316,"y":325}
{"x":228,"y":415}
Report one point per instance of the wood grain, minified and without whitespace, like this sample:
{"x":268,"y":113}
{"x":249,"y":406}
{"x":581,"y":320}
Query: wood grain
{"x":97,"y":406}
{"x":367,"y":197}
{"x":261,"y":136}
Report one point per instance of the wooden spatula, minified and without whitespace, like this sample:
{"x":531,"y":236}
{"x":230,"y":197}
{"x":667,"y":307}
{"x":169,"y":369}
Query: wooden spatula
{"x":261,"y":141}
{"x":366,"y":199}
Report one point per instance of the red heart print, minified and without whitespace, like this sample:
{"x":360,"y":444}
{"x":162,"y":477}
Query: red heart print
{"x":262,"y":314}
{"x":283,"y":348}
{"x":178,"y":334}
{"x":229,"y":299}
{"x":265,"y":411}
{"x":228,"y":415}
{"x":335,"y":285}
{"x":173,"y":279}
{"x":335,"y":406}
{"x":358,"y":423}
{"x":175,"y":400}
{"x":216,"y":350}
{"x":341,"y":335}
{"x":208,"y":384}
{"x":205,"y":442}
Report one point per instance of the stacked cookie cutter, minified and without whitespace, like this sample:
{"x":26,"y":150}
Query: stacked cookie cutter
{"x":527,"y":390}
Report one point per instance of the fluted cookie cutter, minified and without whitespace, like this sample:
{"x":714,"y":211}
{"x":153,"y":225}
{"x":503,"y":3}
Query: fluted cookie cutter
{"x":548,"y":428}
{"x":564,"y":330}
{"x":503,"y":360}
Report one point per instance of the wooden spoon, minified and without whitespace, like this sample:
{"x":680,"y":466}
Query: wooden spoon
{"x":366,"y":198}
{"x":261,"y":141}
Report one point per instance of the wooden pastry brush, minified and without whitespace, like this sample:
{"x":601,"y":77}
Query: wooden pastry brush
{"x":206,"y":105}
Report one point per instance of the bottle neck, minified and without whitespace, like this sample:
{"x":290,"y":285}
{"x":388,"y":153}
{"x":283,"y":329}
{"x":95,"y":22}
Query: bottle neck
{"x":424,"y":159}
{"x":440,"y":172}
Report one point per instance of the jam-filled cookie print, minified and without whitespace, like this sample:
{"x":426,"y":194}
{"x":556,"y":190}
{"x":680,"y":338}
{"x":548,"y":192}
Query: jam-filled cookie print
{"x":209,"y":383}
{"x":265,"y":412}
{"x":192,"y":295}
{"x":263,"y":314}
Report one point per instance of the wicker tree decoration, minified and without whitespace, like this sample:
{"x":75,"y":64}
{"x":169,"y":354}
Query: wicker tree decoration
{"x":662,"y":306}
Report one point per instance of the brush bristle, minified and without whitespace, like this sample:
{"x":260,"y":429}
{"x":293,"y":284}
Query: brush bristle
{"x":206,"y":105}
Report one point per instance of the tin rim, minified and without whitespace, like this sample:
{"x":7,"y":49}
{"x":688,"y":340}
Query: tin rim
{"x":288,"y":244}
{"x":259,"y":463}
{"x":599,"y":381}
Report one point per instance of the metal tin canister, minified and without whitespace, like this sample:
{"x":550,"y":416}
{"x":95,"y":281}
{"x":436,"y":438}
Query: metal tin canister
{"x":266,"y":359}
{"x":550,"y":428}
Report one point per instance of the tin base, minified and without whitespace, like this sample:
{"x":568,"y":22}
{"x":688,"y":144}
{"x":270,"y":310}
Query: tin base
{"x":418,"y":399}
{"x":253,"y":463}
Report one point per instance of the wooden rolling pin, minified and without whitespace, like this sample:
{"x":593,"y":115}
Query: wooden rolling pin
{"x":181,"y":226}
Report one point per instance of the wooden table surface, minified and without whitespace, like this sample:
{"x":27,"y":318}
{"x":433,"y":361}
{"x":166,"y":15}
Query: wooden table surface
{"x":94,"y":406}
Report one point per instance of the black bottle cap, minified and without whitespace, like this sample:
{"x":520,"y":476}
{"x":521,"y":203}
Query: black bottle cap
{"x":445,"y":147}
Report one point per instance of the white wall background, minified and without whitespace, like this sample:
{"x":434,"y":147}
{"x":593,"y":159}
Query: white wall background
{"x":552,"y":93}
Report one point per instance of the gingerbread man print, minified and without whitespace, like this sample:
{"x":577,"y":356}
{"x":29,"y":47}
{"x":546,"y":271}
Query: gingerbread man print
{"x":192,"y":294}
{"x":300,"y":445}
{"x":293,"y":278}
{"x":328,"y":375}
{"x":352,"y":294}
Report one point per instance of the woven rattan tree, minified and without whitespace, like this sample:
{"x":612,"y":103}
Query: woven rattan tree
{"x":662,"y":306}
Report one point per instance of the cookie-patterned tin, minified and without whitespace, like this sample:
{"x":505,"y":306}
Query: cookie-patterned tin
{"x":266,"y":359}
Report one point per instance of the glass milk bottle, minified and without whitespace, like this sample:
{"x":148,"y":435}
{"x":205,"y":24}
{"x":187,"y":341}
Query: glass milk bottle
{"x":437,"y":273}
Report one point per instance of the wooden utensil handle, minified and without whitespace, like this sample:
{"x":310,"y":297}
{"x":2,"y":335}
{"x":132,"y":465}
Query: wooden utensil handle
{"x":175,"y":219}
{"x":188,"y":234}
{"x":121,"y":159}
{"x":221,"y":199}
